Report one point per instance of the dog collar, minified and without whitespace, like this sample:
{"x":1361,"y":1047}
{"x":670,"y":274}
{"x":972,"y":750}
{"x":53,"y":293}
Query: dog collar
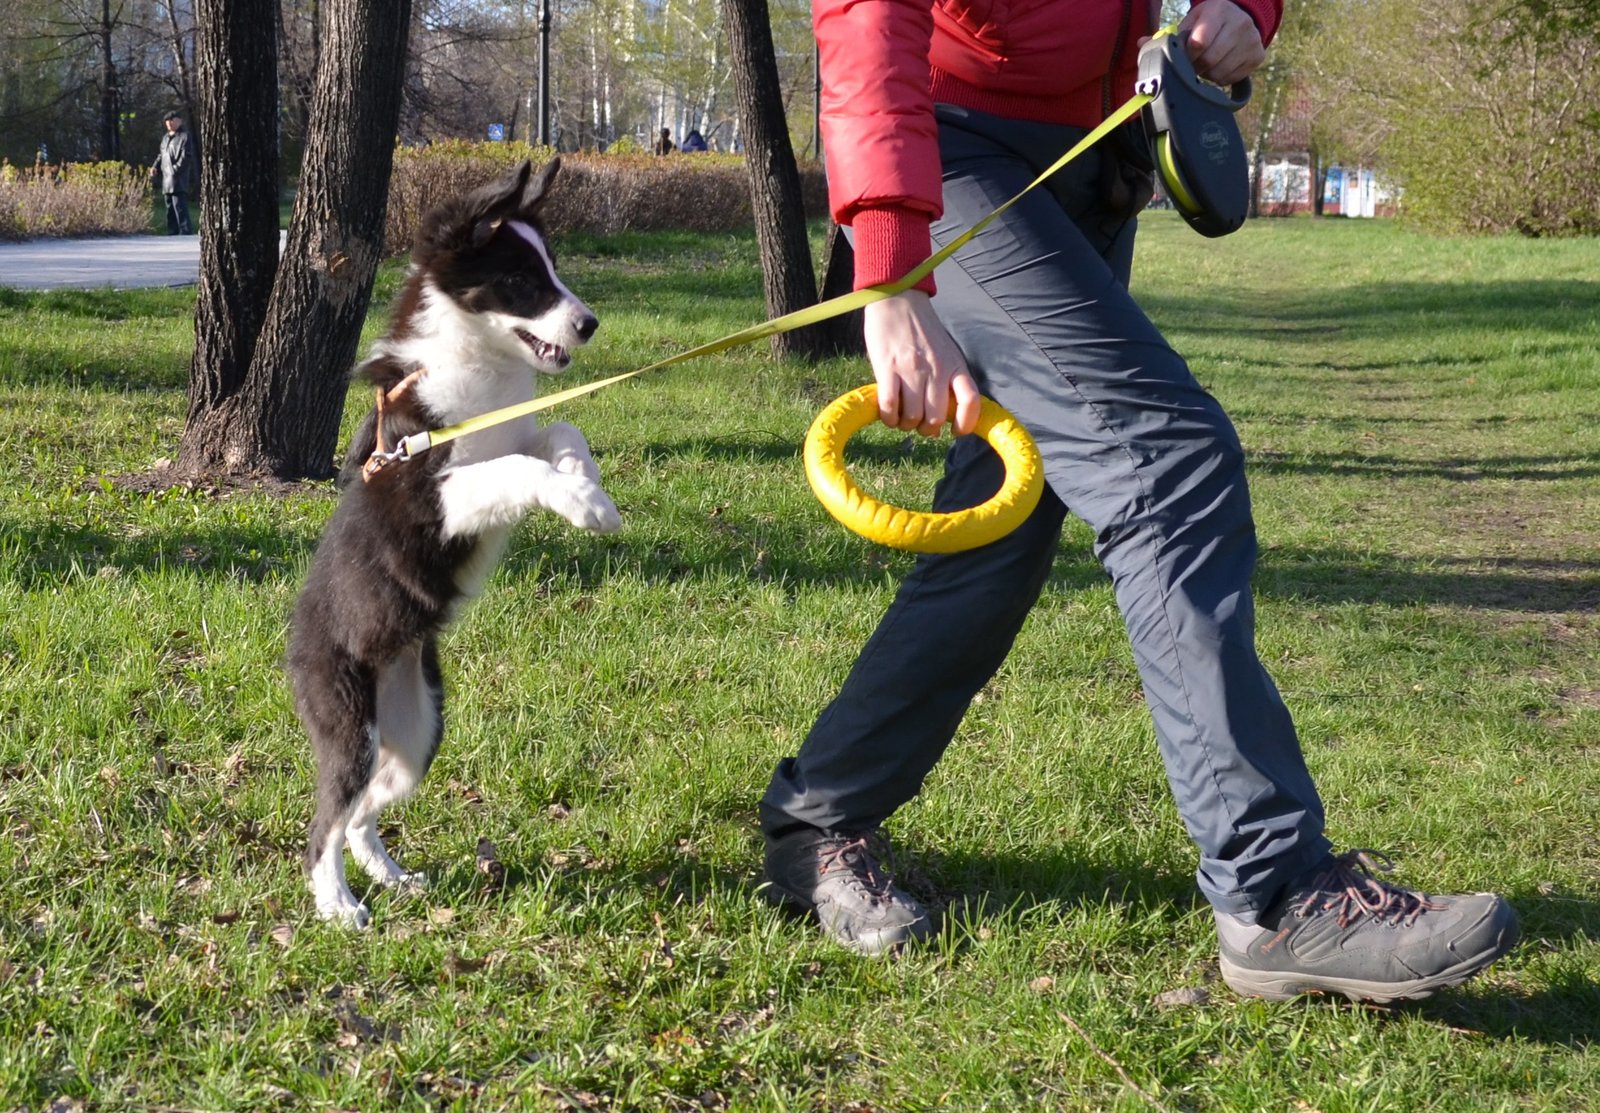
{"x":380,"y":455}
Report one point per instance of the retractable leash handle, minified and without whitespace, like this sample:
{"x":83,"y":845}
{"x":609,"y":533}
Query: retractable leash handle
{"x":1194,"y":137}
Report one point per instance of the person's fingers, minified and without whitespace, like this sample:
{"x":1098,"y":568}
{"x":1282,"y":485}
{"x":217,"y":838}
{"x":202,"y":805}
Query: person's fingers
{"x":889,"y":402}
{"x":935,"y":406}
{"x":1227,"y":63}
{"x":1223,"y":42}
{"x":968,"y":402}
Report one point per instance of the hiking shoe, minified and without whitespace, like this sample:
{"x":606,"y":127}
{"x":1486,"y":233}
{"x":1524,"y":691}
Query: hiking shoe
{"x":838,"y":877}
{"x":1345,"y":931}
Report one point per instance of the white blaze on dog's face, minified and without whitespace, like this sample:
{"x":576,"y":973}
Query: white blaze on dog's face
{"x":550,"y":321}
{"x":491,"y":259}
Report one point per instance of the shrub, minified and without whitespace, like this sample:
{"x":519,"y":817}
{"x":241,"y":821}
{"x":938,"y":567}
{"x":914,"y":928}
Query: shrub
{"x":1488,"y":123}
{"x":605,"y":193}
{"x":73,"y":199}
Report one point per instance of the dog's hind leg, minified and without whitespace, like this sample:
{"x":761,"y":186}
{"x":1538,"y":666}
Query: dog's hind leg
{"x":410,"y":722}
{"x":335,"y":697}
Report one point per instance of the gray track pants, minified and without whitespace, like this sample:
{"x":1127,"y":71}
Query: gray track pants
{"x":1134,"y":446}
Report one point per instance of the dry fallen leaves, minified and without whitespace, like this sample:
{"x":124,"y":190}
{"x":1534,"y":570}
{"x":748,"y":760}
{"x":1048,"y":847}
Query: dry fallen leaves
{"x":1186,"y":997}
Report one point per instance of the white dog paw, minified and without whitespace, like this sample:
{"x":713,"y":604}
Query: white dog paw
{"x":586,"y":506}
{"x":345,"y":911}
{"x":580,"y":466}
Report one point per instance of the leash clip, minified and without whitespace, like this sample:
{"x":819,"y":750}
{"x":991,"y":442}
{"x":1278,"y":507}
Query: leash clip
{"x":380,"y":460}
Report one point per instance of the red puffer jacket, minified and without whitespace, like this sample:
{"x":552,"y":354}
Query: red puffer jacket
{"x":885,"y":62}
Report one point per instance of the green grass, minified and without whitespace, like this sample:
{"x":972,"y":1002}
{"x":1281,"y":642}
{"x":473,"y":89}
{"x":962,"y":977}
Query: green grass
{"x":1423,"y":422}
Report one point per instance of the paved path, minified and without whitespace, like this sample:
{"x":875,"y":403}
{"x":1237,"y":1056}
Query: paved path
{"x":122,"y":262}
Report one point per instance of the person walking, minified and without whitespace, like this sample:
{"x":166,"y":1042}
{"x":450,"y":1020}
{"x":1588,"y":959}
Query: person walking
{"x":177,"y":172}
{"x":933,"y":113}
{"x":664,"y":144}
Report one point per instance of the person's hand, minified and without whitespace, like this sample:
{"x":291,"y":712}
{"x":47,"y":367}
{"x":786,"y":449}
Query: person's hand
{"x":1224,"y":43}
{"x":918,"y":367}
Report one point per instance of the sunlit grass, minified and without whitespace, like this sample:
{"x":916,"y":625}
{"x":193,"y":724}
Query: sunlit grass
{"x":1423,"y":422}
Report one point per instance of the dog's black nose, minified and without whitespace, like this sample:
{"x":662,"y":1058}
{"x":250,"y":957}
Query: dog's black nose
{"x":587,"y":326}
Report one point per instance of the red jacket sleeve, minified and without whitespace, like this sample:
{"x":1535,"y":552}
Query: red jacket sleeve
{"x":1268,"y":15}
{"x":878,"y":130}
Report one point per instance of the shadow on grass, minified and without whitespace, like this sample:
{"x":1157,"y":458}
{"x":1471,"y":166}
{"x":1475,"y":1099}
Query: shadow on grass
{"x":1384,"y":311}
{"x":85,"y":313}
{"x":723,"y":547}
{"x":1333,"y":575}
{"x":975,"y":888}
{"x":1465,"y":469}
{"x":53,"y":552}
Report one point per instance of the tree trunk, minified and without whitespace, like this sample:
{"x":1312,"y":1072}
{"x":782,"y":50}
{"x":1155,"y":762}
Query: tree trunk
{"x":110,"y":132}
{"x":1319,"y":179}
{"x":844,"y":334}
{"x":237,"y":86}
{"x":787,"y":279}
{"x":284,"y":418}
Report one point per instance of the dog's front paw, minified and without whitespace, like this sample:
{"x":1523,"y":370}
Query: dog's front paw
{"x":573,"y":464}
{"x":582,"y":502}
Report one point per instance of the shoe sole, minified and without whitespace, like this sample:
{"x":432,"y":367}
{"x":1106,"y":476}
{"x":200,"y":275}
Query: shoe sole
{"x":1286,"y":985}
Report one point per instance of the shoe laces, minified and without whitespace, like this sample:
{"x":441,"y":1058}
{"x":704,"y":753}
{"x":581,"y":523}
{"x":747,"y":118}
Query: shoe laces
{"x":855,"y":857}
{"x":1350,"y":888}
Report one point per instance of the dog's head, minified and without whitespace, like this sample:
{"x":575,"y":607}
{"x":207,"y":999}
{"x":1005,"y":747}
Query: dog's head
{"x":487,"y":253}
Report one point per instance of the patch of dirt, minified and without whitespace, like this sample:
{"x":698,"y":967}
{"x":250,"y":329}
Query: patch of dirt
{"x":1587,"y":698}
{"x":164,"y":476}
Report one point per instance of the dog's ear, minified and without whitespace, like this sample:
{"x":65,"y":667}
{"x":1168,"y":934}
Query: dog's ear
{"x":533,"y":194}
{"x":491,"y":204}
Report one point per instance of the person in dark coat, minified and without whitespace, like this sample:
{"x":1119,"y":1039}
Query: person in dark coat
{"x":177,"y":172}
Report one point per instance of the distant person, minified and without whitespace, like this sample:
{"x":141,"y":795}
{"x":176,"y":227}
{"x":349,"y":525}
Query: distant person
{"x":177,"y":171}
{"x":694,"y":142}
{"x":664,"y":144}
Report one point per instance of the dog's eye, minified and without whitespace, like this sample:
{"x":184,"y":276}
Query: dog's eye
{"x":516,"y":281}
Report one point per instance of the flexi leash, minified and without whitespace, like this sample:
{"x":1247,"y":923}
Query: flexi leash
{"x":1198,"y":154}
{"x":418,"y":443}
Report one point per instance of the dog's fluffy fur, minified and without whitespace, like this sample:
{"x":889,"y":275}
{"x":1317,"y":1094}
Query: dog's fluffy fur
{"x":481,"y":313}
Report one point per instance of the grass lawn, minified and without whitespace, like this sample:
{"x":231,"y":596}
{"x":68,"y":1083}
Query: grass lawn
{"x":1423,"y":423}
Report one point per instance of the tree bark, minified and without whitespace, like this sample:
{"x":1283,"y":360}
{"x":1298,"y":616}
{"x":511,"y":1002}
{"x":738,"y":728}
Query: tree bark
{"x":237,"y":86}
{"x":283,"y":419}
{"x":844,"y":335}
{"x":787,"y":278}
{"x":110,"y":132}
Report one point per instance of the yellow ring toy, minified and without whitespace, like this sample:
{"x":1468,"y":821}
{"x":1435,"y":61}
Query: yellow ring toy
{"x":921,"y":531}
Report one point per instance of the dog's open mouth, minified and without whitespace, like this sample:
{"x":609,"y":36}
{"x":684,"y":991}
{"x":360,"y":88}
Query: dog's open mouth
{"x":553,"y":355}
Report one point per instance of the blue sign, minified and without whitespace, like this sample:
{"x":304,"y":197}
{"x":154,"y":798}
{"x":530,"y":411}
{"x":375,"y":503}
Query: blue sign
{"x":497,"y":133}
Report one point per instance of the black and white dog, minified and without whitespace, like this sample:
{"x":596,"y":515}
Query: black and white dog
{"x":482,"y":312}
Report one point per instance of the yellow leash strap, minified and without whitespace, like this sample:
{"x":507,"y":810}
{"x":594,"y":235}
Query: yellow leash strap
{"x":418,"y":443}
